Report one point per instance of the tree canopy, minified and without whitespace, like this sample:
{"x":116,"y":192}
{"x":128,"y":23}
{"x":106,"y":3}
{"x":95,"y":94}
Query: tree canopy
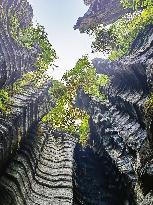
{"x":29,"y":37}
{"x":65,"y":115}
{"x":116,"y":38}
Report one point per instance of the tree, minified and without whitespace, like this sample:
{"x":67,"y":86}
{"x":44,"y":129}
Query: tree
{"x":65,"y":115}
{"x":118,"y":37}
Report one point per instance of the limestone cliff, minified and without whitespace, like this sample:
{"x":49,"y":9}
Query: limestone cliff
{"x":14,"y":58}
{"x":43,"y":166}
{"x":120,"y":126}
{"x":100,"y":11}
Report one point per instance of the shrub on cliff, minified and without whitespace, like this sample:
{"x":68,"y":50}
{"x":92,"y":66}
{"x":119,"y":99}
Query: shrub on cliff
{"x":116,"y":38}
{"x":65,"y":115}
{"x":33,"y":38}
{"x":29,"y":37}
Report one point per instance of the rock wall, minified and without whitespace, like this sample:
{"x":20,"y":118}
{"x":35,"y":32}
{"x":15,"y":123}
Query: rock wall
{"x":100,"y":11}
{"x":88,"y":2}
{"x":97,"y":179}
{"x":14,"y":58}
{"x":121,"y":127}
{"x":28,"y":107}
{"x":35,"y":161}
{"x":41,"y":171}
{"x":40,"y":165}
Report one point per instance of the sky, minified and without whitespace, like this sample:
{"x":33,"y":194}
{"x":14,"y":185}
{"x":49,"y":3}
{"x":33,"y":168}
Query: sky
{"x":58,"y":17}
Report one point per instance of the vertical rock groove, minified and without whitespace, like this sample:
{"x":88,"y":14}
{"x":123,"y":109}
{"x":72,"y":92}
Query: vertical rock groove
{"x":41,"y":172}
{"x":43,"y":166}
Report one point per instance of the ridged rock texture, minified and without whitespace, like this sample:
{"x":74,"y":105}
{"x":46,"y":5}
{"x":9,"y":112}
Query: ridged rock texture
{"x":88,"y":2}
{"x":41,"y":172}
{"x":27,"y":109}
{"x":43,"y":166}
{"x":120,"y":127}
{"x":14,"y":58}
{"x":100,"y":11}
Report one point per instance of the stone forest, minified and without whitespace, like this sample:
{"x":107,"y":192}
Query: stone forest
{"x":87,"y":139}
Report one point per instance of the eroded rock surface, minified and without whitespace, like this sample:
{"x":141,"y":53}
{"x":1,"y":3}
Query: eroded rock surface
{"x":41,"y":171}
{"x":27,"y":109}
{"x":15,"y":59}
{"x":121,"y":126}
{"x":40,"y":165}
{"x":100,"y":11}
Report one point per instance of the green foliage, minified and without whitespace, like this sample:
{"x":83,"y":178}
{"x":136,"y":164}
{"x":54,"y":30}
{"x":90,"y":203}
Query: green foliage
{"x":85,"y":76}
{"x":37,"y":34}
{"x":149,"y":107}
{"x":127,"y":3}
{"x":35,"y":79}
{"x":136,"y":4}
{"x":4,"y":98}
{"x":84,"y":129}
{"x":104,"y":39}
{"x":126,"y":29}
{"x":57,"y":90}
{"x":65,"y":115}
{"x":27,"y":37}
{"x":118,"y":37}
{"x":68,"y":118}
